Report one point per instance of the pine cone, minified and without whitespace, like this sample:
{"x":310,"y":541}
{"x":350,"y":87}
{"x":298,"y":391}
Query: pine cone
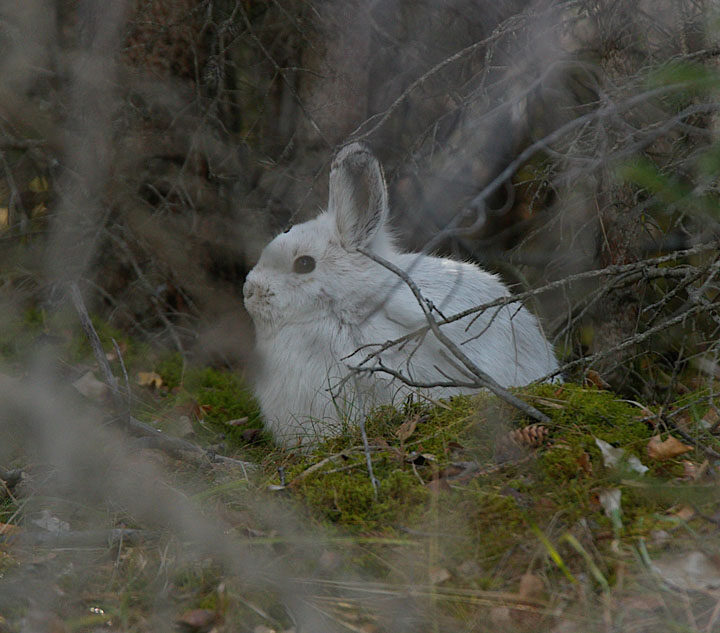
{"x":531,"y":436}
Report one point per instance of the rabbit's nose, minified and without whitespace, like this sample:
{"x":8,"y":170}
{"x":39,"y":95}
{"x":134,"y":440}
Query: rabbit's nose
{"x":249,"y":289}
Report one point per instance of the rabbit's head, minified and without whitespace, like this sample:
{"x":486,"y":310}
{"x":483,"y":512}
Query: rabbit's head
{"x":314,"y":270}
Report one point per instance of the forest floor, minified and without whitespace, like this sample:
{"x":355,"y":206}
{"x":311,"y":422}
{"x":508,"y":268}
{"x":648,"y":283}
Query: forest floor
{"x":604,"y":519}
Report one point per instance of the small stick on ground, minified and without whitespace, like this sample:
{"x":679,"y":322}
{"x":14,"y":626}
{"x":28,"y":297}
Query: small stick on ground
{"x":124,"y":371}
{"x":368,"y":459}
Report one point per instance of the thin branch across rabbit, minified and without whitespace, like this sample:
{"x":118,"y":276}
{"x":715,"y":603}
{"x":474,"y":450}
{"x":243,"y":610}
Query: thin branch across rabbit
{"x":316,"y":297}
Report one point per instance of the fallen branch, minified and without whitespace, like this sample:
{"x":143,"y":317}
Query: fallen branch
{"x":79,"y":538}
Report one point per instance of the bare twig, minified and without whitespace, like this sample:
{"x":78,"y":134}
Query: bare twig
{"x":368,"y":459}
{"x":95,"y":343}
{"x":484,"y":380}
{"x":124,"y":371}
{"x":650,"y":268}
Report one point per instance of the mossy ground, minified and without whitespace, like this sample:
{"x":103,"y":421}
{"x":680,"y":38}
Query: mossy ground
{"x":462,"y":513}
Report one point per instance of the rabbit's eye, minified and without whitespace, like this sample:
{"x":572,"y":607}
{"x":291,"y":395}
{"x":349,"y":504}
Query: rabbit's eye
{"x":304,"y":264}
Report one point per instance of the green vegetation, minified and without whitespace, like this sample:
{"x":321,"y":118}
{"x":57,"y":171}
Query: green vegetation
{"x":470,"y":498}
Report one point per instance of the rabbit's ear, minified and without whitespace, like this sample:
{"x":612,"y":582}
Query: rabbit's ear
{"x":358,"y":195}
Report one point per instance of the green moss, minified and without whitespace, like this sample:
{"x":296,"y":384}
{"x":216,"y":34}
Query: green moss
{"x":483,"y":518}
{"x":217,"y":396}
{"x":172,"y":369}
{"x":347,"y":497}
{"x":19,"y":333}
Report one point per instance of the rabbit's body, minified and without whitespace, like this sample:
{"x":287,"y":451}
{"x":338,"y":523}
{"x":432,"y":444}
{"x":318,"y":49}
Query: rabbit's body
{"x":313,"y":326}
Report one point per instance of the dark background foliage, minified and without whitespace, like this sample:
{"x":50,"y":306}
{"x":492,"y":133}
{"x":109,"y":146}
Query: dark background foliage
{"x":151,"y":148}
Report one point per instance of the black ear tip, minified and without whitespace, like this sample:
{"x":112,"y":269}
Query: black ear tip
{"x":355,"y":153}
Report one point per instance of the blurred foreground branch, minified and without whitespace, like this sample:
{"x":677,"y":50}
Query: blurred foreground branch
{"x":132,"y":425}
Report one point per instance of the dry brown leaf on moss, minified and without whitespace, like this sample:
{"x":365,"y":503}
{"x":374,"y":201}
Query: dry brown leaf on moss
{"x":593,"y":378}
{"x":685,"y":513}
{"x":438,"y":575}
{"x":617,"y":457}
{"x":585,"y":464}
{"x":693,"y":471}
{"x":647,"y":416}
{"x":8,"y":529}
{"x":685,"y":421}
{"x":667,"y":449}
{"x":711,"y":418}
{"x":91,"y":387}
{"x":199,"y":620}
{"x":149,"y":379}
{"x":689,"y":571}
{"x":407,"y":428}
{"x":690,"y":471}
{"x":438,"y":485}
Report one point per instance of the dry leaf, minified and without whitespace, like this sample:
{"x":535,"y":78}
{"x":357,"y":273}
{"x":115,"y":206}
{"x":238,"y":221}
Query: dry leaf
{"x":91,"y":387}
{"x":531,"y":587}
{"x":671,"y":447}
{"x":48,"y":521}
{"x":690,"y":470}
{"x":149,"y":379}
{"x":238,"y":422}
{"x":8,"y":529}
{"x":180,"y":426}
{"x":610,"y":501}
{"x":4,"y":217}
{"x":684,"y":421}
{"x":438,"y":575}
{"x":585,"y":464}
{"x":454,"y":448}
{"x":595,"y":379}
{"x":459,"y":471}
{"x":711,"y":418}
{"x":613,"y":457}
{"x":693,"y":471}
{"x":407,"y":428}
{"x":684,"y":513}
{"x":438,"y":485}
{"x":199,"y":620}
{"x":690,"y":571}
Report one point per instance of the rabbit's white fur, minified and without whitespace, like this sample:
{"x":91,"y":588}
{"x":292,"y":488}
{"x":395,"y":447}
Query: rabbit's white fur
{"x":309,"y":324}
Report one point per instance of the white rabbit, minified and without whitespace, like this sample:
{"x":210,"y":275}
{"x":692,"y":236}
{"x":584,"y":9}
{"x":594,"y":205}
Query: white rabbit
{"x":316,"y":300}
